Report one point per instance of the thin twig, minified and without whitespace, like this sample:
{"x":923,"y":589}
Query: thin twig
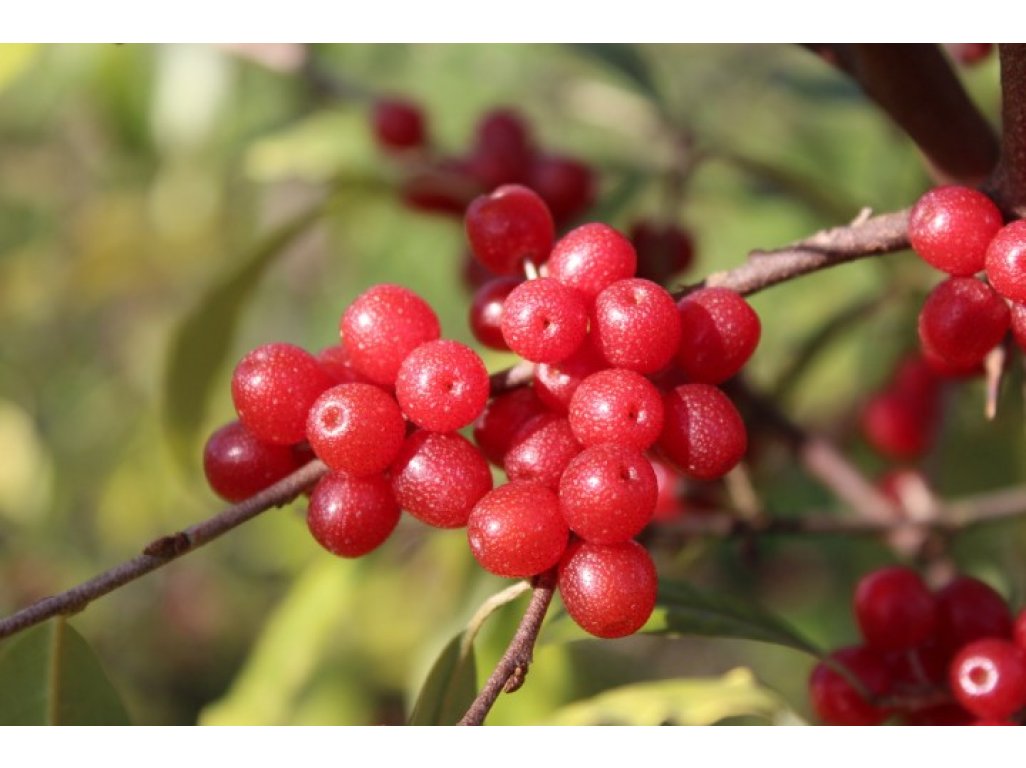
{"x":511,"y":670}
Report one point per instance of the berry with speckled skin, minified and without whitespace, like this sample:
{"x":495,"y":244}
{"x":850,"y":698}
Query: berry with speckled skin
{"x":962,"y":320}
{"x":237,"y":464}
{"x":635,"y":325}
{"x":502,"y":420}
{"x":350,"y":516}
{"x":988,"y":677}
{"x":566,"y":185}
{"x":968,"y":610}
{"x":719,"y":332}
{"x":555,"y":383}
{"x":616,"y":406}
{"x":951,"y":227}
{"x":592,"y":257}
{"x":609,"y":590}
{"x":703,"y":433}
{"x":834,"y":699}
{"x":1006,"y":261}
{"x":356,"y":428}
{"x":442,"y":385}
{"x":485,"y":317}
{"x":668,"y":504}
{"x":541,"y":450}
{"x":508,"y":227}
{"x":383,"y":326}
{"x":398,"y":124}
{"x":439,"y":477}
{"x":544,"y":321}
{"x":516,"y":530}
{"x":273,"y":388}
{"x":337,"y":364}
{"x":894,"y":609}
{"x":608,"y":493}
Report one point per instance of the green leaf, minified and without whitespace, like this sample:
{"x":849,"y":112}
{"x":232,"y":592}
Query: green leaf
{"x":204,"y":337}
{"x":692,"y":701}
{"x":625,"y":59}
{"x":50,"y":676}
{"x":451,"y":685}
{"x":682,"y":609}
{"x":630,"y":185}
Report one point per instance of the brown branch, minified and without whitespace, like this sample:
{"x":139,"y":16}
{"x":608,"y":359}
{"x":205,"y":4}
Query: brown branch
{"x":162,"y":551}
{"x":1008,"y":184}
{"x":511,"y":670}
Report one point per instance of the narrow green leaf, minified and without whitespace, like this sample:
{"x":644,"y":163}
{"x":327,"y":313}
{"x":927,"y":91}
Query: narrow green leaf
{"x":450,"y":687}
{"x":625,"y":59}
{"x":690,"y":701}
{"x":50,"y":676}
{"x":203,"y":339}
{"x":682,"y":609}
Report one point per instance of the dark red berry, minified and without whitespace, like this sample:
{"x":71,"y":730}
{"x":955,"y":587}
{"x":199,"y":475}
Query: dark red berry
{"x":356,"y":428}
{"x":609,"y":590}
{"x":1019,"y":630}
{"x":635,"y":325}
{"x":988,"y":677}
{"x":1018,"y":316}
{"x":508,"y":227}
{"x":939,"y":714}
{"x":565,"y":184}
{"x":962,"y":320}
{"x":273,"y":388}
{"x":836,"y":701}
{"x":719,"y":332}
{"x":897,"y":426}
{"x":237,"y":464}
{"x":544,"y":321}
{"x":894,"y":609}
{"x":555,"y":383}
{"x":1006,"y":261}
{"x":350,"y":516}
{"x":616,"y":406}
{"x":968,"y":610}
{"x":442,"y":385}
{"x":703,"y":433}
{"x":951,"y":227}
{"x":516,"y":530}
{"x":663,"y":250}
{"x":668,"y":504}
{"x":541,"y":450}
{"x":486,"y":311}
{"x":592,"y":257}
{"x":337,"y":364}
{"x":398,"y":124}
{"x":502,"y":149}
{"x":502,"y":420}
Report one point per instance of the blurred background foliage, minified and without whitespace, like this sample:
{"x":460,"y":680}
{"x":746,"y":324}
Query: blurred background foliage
{"x":143,"y":193}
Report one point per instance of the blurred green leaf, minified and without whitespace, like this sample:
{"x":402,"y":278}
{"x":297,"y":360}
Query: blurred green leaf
{"x":50,"y":676}
{"x":15,"y":58}
{"x":450,"y":687}
{"x":693,"y":701}
{"x":630,"y":185}
{"x":682,"y":609}
{"x":625,"y":59}
{"x":205,"y":336}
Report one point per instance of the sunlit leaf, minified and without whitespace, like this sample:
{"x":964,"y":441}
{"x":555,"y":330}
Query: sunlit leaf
{"x":450,"y":687}
{"x":15,"y":59}
{"x":50,"y":676}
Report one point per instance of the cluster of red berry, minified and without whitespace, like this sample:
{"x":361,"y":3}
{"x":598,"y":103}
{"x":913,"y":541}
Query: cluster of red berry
{"x":382,"y":410}
{"x":951,"y":657}
{"x":900,"y":421}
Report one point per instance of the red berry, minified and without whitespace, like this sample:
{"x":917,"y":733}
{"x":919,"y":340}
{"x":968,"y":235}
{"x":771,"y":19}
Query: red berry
{"x":940,"y":714}
{"x":1006,"y":261}
{"x":356,"y":428}
{"x":608,"y":493}
{"x":273,"y":388}
{"x":988,"y":677}
{"x":541,"y":450}
{"x":636,"y":326}
{"x":834,"y":699}
{"x":508,"y":227}
{"x":962,"y":320}
{"x":894,"y":609}
{"x":555,"y":383}
{"x":703,"y":433}
{"x":516,"y":530}
{"x":439,"y":477}
{"x":502,"y":149}
{"x":486,"y":311}
{"x":337,"y":364}
{"x":719,"y":332}
{"x":1018,"y":316}
{"x":237,"y":464}
{"x":544,"y":321}
{"x":609,"y":590}
{"x":969,"y":53}
{"x":968,"y":610}
{"x":592,"y":257}
{"x":663,"y":250}
{"x":383,"y":326}
{"x":897,"y":426}
{"x":1019,"y":630}
{"x":951,"y":227}
{"x":502,"y":420}
{"x":350,"y":516}
{"x":398,"y":124}
{"x":442,"y":385}
{"x":668,"y":504}
{"x":566,"y":185}
{"x":616,"y":406}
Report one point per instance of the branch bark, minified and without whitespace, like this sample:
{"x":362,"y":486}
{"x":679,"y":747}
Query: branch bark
{"x":1008,"y":184}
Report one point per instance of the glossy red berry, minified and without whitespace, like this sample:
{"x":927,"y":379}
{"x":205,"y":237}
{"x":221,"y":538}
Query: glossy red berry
{"x":541,"y":450}
{"x":616,"y":406}
{"x":668,"y":504}
{"x":237,"y":464}
{"x":273,"y":388}
{"x":555,"y":383}
{"x":968,"y":610}
{"x":356,"y":428}
{"x":398,"y":124}
{"x":1019,"y":630}
{"x":439,"y":477}
{"x":502,"y":420}
{"x":1006,"y":261}
{"x":608,"y":493}
{"x":635,"y":325}
{"x":894,"y":609}
{"x":703,"y":433}
{"x":485,"y":317}
{"x":508,"y":227}
{"x":383,"y":326}
{"x":609,"y":590}
{"x":516,"y":530}
{"x":951,"y":227}
{"x":962,"y":320}
{"x":988,"y":677}
{"x":1018,"y":317}
{"x":719,"y":332}
{"x":592,"y":257}
{"x":544,"y":321}
{"x":337,"y":364}
{"x":566,"y":185}
{"x":442,"y":385}
{"x":350,"y":516}
{"x":836,"y":701}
